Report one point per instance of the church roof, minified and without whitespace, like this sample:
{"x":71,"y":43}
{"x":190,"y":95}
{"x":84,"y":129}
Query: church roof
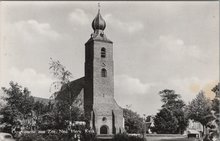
{"x":74,"y":87}
{"x":43,"y":100}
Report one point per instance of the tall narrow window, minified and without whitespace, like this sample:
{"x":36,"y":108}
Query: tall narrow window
{"x":104,"y":73}
{"x":103,"y":52}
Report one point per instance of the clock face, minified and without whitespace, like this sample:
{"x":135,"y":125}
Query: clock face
{"x":103,"y":65}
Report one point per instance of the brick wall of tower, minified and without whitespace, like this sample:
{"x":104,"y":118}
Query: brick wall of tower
{"x":99,"y":99}
{"x":103,"y":86}
{"x":88,"y":92}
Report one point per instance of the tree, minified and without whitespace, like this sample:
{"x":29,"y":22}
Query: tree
{"x":171,"y":100}
{"x":19,"y":103}
{"x":216,"y":100}
{"x":214,"y":124}
{"x":165,"y":122}
{"x":11,"y":115}
{"x":64,"y":110}
{"x":61,"y":74}
{"x":2,"y":101}
{"x":133,"y":121}
{"x":175,"y":105}
{"x":199,"y":109}
{"x":41,"y":109}
{"x":215,"y":105}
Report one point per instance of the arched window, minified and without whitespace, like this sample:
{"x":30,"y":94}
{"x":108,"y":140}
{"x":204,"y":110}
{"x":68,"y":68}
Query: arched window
{"x":103,"y":52}
{"x":104,"y":73}
{"x":104,"y":129}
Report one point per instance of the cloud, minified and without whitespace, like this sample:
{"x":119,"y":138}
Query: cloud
{"x":141,"y":96}
{"x":21,"y":36}
{"x":164,"y":58}
{"x":127,"y":85}
{"x":32,"y":29}
{"x":206,"y":86}
{"x":128,"y":26}
{"x":177,"y":47}
{"x":79,"y":17}
{"x":28,"y":43}
{"x":189,"y":87}
{"x":36,"y":82}
{"x":144,"y":97}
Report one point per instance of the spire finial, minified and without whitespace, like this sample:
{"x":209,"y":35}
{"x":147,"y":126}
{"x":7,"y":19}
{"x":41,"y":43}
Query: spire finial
{"x":99,"y":6}
{"x":98,"y":23}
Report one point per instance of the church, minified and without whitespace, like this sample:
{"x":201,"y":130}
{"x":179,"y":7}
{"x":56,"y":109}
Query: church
{"x":96,"y":88}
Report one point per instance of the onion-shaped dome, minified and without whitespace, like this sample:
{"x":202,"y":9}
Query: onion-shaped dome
{"x":98,"y":23}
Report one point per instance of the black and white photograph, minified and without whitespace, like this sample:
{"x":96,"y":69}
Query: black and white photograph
{"x":109,"y":71}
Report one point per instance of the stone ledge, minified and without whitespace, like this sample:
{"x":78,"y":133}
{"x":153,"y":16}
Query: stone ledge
{"x":105,"y":136}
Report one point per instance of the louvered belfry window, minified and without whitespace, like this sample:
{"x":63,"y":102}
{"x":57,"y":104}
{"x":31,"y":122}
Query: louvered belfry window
{"x":103,"y":52}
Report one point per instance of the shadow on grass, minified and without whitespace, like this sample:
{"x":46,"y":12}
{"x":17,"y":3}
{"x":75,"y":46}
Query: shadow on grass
{"x":170,"y":139}
{"x":182,"y":139}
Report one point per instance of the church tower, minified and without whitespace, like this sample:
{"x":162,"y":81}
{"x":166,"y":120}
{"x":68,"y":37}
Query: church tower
{"x":101,"y":109}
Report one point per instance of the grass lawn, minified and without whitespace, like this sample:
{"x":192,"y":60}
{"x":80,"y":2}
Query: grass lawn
{"x":170,"y":139}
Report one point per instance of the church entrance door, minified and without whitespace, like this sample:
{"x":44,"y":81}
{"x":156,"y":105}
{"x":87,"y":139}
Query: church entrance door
{"x":104,"y":129}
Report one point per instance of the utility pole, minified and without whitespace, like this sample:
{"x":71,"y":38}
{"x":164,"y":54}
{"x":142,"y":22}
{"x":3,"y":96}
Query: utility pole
{"x":70,"y":109}
{"x":70,"y":116}
{"x":144,"y":124}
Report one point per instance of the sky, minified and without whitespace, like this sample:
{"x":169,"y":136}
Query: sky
{"x":157,"y":46}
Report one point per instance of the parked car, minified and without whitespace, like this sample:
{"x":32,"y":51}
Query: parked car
{"x":6,"y":137}
{"x":193,"y":133}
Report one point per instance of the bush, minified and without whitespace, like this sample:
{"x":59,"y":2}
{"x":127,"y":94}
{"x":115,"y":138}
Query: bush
{"x":53,"y":137}
{"x":85,"y":136}
{"x":126,"y":137}
{"x":44,"y":137}
{"x":133,"y":121}
{"x":121,"y":137}
{"x":136,"y":138}
{"x":32,"y":137}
